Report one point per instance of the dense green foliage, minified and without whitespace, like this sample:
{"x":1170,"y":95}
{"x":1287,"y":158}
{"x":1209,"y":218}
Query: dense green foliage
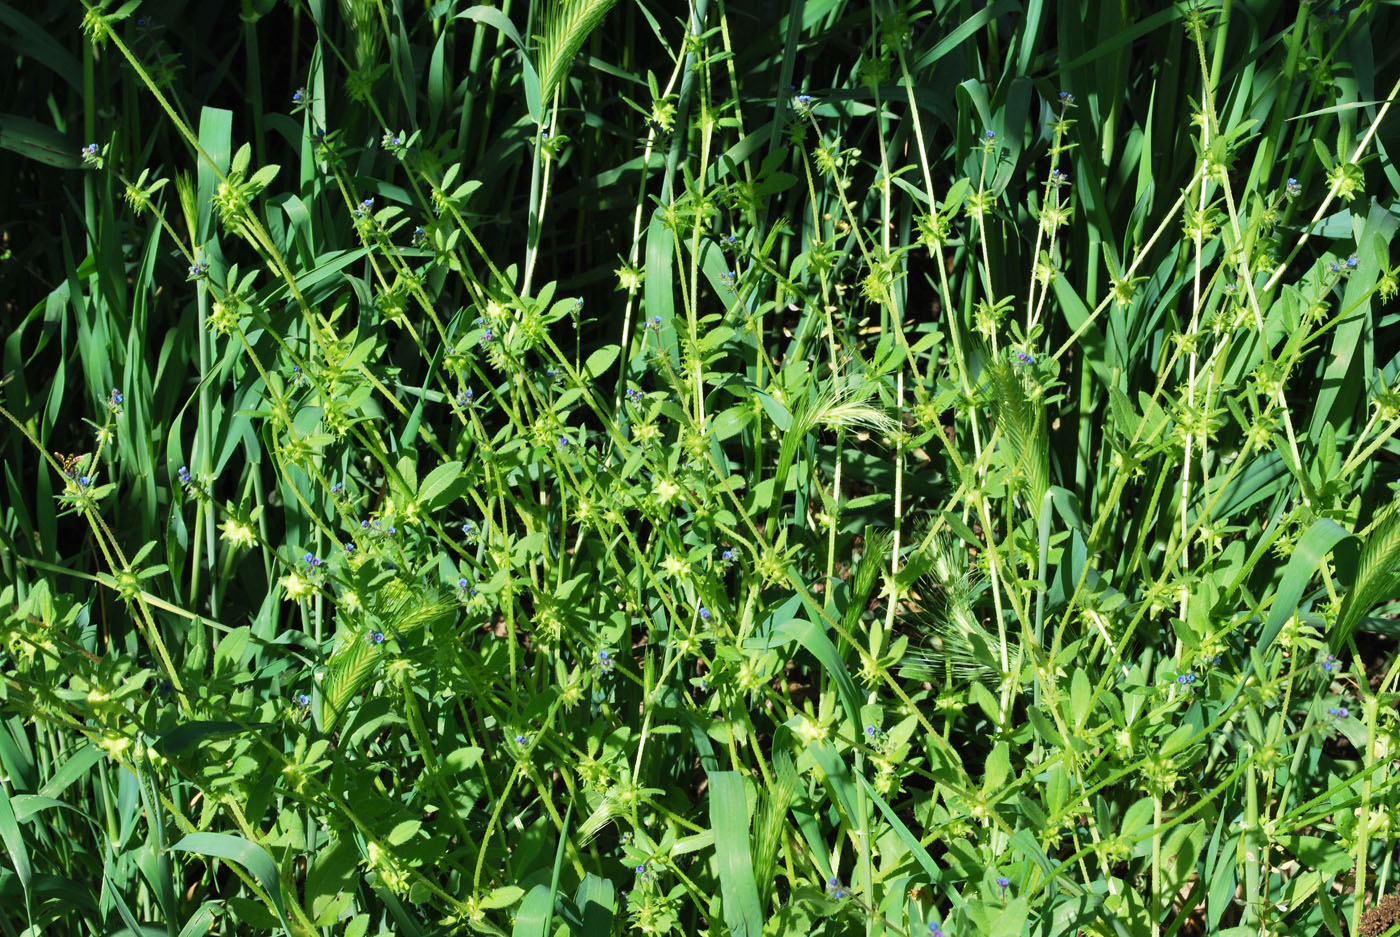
{"x":817,"y":467}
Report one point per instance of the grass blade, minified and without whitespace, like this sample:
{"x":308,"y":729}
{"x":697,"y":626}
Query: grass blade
{"x":729,"y":818}
{"x":238,"y":850}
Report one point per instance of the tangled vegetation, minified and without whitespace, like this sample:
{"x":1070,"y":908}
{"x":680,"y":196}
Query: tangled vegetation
{"x":827,"y":467}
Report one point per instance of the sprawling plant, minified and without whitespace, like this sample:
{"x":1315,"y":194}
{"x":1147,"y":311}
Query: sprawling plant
{"x":829,"y":468}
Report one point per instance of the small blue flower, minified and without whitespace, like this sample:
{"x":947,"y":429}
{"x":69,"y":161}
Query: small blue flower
{"x":519,"y":739}
{"x":727,"y":277}
{"x":338,"y":488}
{"x":1328,"y":663}
{"x":308,"y":558}
{"x":463,"y":584}
{"x":184,"y":474}
{"x":991,"y":134}
{"x":1190,"y":678}
{"x":303,"y":700}
{"x":1025,"y":358}
{"x":804,"y":100}
{"x":198,"y":270}
{"x":727,"y":555}
{"x":364,"y":525}
{"x":704,"y":613}
{"x":420,"y":237}
{"x":378,"y":637}
{"x":835,"y":888}
{"x":1292,"y":188}
{"x":489,"y":335}
{"x":117,"y":398}
{"x":870,"y":731}
{"x":350,"y":548}
{"x":299,"y":96}
{"x":1352,"y":262}
{"x":90,"y":150}
{"x":934,"y":930}
{"x":84,"y":481}
{"x":1066,"y":97}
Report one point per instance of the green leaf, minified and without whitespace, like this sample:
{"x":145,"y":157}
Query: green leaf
{"x":1010,"y":920}
{"x":443,"y":485}
{"x":1312,"y":548}
{"x":997,"y":768}
{"x":403,"y":832}
{"x":502,"y":897}
{"x":600,"y":361}
{"x":596,"y":899}
{"x":819,"y":645}
{"x":729,"y":818}
{"x":77,"y":766}
{"x":730,"y":422}
{"x":38,"y":142}
{"x":1079,"y":696}
{"x":33,"y":42}
{"x":778,"y":413}
{"x":13,"y":839}
{"x":189,"y":734}
{"x":494,"y":17}
{"x":199,"y":923}
{"x":532,"y":920}
{"x":238,"y":850}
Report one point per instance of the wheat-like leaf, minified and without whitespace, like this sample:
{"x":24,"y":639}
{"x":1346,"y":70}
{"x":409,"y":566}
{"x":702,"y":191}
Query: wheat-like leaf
{"x":771,"y":818}
{"x":608,"y":809}
{"x":400,"y":610}
{"x":1022,"y":424}
{"x":1377,"y":574}
{"x":351,"y":666}
{"x":953,"y":637}
{"x":566,"y":26}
